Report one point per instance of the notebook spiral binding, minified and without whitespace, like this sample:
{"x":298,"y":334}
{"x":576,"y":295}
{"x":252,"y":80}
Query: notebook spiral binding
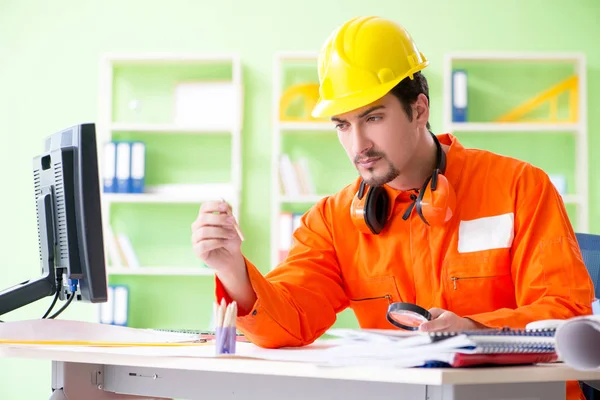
{"x":543,"y":332}
{"x":509,"y":347}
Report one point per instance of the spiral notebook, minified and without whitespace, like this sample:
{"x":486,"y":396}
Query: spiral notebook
{"x":451,"y":349}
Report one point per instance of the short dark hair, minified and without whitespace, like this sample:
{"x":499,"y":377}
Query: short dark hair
{"x":407,"y":91}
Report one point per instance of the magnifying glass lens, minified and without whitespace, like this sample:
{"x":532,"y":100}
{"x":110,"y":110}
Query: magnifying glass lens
{"x":407,"y":316}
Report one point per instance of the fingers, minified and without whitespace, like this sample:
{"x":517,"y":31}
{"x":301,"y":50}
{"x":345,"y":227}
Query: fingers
{"x":213,"y":232}
{"x":440,"y":320}
{"x":436,"y":312}
{"x":213,"y":207}
{"x":206,"y":246}
{"x":212,"y":219}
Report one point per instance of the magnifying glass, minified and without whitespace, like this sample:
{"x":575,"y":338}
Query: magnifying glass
{"x":407,"y":315}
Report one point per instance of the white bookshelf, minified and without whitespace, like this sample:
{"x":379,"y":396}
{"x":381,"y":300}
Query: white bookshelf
{"x":302,"y":199}
{"x":164,"y":128}
{"x":158,"y":198}
{"x":176,"y":194}
{"x":509,"y":127}
{"x":306,"y":126}
{"x":281,"y":128}
{"x":578,"y":197}
{"x":161,"y":271}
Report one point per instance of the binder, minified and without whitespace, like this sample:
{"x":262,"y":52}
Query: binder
{"x":123,"y":167}
{"x":286,"y":222}
{"x":137,"y":173}
{"x":459,"y":95}
{"x":115,"y":311}
{"x":105,"y":312}
{"x":109,"y":178}
{"x":121,"y":305}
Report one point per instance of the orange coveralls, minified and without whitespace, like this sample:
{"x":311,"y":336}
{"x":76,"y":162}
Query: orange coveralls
{"x":508,"y":257}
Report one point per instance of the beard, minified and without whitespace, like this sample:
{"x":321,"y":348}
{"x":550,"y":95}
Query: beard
{"x":372,"y":179}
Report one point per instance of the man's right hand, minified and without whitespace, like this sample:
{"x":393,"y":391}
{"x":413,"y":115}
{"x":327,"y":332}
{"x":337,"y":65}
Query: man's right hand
{"x":217,"y":244}
{"x":214,"y":238}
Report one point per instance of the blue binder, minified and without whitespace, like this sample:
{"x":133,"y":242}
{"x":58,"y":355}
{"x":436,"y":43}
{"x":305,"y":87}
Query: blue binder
{"x":459,"y":95}
{"x":123,"y":167}
{"x":121,"y":305}
{"x":109,"y":176}
{"x":137,"y":172}
{"x":116,"y":309}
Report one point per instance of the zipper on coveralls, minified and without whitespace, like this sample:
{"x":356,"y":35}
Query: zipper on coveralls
{"x":387,"y":296}
{"x":456,"y":278}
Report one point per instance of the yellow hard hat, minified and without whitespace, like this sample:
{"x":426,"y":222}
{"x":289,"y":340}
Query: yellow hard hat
{"x":361,"y":61}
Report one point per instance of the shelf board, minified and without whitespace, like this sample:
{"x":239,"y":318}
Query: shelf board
{"x":305,"y":198}
{"x":297,"y":56}
{"x":195,"y":271}
{"x":514,"y":56}
{"x":513,"y":127}
{"x":165,"y":128}
{"x":160,"y":58}
{"x":175,"y":198}
{"x":313,"y":198}
{"x":307,"y":126}
{"x":572,"y":199}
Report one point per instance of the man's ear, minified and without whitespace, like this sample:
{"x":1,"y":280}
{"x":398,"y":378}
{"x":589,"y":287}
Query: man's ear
{"x":421,"y":110}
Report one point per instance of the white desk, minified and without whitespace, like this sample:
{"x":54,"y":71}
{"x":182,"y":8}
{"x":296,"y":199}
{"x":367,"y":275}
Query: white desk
{"x":88,"y":375}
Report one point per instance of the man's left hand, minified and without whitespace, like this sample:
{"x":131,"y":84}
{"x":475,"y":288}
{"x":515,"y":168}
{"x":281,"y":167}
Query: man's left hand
{"x":442,"y":320}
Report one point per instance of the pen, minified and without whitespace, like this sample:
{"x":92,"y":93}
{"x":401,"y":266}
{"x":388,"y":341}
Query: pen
{"x":235,"y":224}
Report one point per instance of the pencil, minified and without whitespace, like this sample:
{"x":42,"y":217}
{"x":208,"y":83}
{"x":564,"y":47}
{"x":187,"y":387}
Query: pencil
{"x":235,"y":224}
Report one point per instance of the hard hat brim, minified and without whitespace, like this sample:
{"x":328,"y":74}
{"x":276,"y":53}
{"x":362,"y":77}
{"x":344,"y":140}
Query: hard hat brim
{"x":328,"y":108}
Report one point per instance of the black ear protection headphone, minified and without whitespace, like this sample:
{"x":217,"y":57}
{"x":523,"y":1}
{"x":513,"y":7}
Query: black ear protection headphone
{"x":434,"y":203}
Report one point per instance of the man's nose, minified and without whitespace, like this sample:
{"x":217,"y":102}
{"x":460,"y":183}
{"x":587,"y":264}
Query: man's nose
{"x":360,"y":142}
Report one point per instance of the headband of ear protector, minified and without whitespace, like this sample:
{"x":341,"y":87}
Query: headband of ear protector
{"x":434,"y":203}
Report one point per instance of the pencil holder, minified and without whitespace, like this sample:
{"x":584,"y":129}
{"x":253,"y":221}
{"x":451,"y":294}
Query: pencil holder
{"x":225,"y":329}
{"x":225,"y":338}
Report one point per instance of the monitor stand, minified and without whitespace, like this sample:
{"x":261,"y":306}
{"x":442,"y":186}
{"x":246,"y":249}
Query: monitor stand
{"x":31,"y":290}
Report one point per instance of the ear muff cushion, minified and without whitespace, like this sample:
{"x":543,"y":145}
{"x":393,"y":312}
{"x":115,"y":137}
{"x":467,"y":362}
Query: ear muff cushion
{"x":376,"y":209}
{"x":437,"y":207}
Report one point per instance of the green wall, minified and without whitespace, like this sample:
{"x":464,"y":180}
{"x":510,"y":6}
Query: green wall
{"x":49,"y":59}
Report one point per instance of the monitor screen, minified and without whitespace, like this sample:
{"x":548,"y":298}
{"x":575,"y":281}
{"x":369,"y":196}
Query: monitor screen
{"x":69,"y":220}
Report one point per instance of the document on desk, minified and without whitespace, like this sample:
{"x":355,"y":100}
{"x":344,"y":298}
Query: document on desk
{"x":315,"y":353}
{"x":394,"y":348}
{"x":349,"y":347}
{"x":578,"y":341}
{"x":69,"y":332}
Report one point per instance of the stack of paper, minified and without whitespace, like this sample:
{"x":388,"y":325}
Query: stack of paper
{"x":394,"y":348}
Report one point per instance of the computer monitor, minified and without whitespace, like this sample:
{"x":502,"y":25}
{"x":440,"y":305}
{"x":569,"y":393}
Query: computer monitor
{"x":69,"y":220}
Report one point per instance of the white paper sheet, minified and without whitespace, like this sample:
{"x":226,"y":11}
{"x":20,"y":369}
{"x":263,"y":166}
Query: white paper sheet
{"x":69,"y":330}
{"x":315,"y":353}
{"x":373,"y":335}
{"x":578,"y":342}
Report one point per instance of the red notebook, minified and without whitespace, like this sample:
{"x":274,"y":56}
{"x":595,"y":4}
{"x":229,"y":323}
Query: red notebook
{"x":471,"y":360}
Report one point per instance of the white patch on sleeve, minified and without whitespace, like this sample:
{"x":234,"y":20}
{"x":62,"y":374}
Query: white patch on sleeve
{"x":487,"y":233}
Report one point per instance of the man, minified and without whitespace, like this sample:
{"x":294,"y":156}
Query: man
{"x":478,"y":239}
